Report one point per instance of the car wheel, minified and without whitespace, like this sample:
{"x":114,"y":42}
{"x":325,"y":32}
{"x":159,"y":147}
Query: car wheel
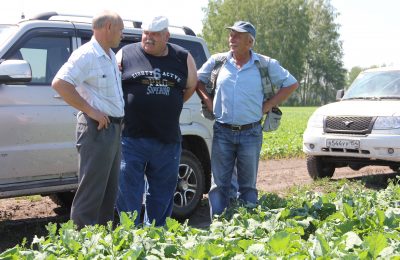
{"x":190,"y":187}
{"x":356,"y":166}
{"x":317,"y":168}
{"x":64,"y":199}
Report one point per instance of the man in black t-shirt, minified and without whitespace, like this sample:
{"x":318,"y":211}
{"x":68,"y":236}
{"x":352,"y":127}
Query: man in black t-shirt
{"x":157,"y":78}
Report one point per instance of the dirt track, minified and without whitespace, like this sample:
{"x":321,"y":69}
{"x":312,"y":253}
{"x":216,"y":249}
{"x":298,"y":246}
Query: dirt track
{"x":276,"y":175}
{"x":21,"y":217}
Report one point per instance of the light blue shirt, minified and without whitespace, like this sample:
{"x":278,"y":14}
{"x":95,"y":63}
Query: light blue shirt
{"x":239,"y":94}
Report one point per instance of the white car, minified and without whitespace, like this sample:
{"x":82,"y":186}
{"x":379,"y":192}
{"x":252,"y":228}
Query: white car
{"x":361,"y":129}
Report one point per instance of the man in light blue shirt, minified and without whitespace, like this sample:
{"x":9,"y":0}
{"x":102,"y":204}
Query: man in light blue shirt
{"x":238,"y":106}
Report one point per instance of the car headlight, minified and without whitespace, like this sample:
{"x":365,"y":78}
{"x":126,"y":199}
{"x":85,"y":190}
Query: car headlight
{"x":387,"y":122}
{"x":316,"y":120}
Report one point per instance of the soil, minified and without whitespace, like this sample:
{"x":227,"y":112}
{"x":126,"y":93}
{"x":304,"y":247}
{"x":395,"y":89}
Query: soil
{"x":26,"y":217}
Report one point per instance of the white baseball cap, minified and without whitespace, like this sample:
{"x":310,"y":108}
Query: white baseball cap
{"x":155,"y":24}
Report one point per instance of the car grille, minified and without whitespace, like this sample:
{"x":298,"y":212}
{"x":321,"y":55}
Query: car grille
{"x":349,"y":125}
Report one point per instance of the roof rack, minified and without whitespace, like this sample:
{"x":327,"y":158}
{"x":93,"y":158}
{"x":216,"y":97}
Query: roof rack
{"x":136,"y":24}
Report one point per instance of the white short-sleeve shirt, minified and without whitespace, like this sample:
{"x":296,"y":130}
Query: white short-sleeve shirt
{"x":96,"y":77}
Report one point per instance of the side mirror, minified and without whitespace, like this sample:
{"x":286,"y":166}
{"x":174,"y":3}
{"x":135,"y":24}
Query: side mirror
{"x":339,"y":94}
{"x":15,"y":71}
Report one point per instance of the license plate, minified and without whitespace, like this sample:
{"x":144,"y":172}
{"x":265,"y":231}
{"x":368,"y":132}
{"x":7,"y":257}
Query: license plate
{"x":343,"y":143}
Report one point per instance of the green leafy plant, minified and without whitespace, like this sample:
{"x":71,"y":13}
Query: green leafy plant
{"x":346,"y":222}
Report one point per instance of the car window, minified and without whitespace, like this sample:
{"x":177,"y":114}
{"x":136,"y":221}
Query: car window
{"x":195,"y":48}
{"x":375,"y":84}
{"x":45,"y":55}
{"x":85,"y":35}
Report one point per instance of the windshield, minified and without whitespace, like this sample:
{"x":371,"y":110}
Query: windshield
{"x":6,"y":31}
{"x":375,"y":85}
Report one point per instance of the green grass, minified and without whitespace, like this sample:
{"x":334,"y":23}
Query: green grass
{"x":31,"y":198}
{"x":287,"y":141}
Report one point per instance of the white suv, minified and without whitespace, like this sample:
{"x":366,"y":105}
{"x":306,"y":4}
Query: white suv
{"x":37,"y":143}
{"x":362,"y":129}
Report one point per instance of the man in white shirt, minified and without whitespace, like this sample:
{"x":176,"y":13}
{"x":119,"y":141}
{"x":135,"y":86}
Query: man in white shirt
{"x":90,"y":81}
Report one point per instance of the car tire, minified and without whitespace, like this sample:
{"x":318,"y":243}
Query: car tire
{"x":190,"y":187}
{"x":317,"y":168}
{"x":63,"y":199}
{"x":356,"y":166}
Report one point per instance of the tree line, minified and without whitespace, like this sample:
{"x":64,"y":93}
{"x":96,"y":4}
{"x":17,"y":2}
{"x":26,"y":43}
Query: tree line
{"x":301,"y":34}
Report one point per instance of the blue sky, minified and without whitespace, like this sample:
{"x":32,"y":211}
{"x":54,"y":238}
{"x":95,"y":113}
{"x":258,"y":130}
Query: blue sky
{"x":370,"y":29}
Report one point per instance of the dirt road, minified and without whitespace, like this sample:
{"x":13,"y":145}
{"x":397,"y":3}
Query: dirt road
{"x":277,"y":175}
{"x":25,"y":217}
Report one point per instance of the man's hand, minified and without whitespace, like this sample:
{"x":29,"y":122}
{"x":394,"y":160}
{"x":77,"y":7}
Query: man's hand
{"x":100,"y":117}
{"x":202,"y":93}
{"x":267,"y":106}
{"x":68,"y":92}
{"x":209,"y":104}
{"x":279,"y":97}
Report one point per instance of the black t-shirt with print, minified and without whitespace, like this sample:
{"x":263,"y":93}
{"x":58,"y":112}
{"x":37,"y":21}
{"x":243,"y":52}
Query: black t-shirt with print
{"x":153,"y":92}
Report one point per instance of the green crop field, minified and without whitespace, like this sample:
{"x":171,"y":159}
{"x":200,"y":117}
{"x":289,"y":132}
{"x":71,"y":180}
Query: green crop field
{"x":350,"y":222}
{"x":327,"y":219}
{"x":286,"y":142}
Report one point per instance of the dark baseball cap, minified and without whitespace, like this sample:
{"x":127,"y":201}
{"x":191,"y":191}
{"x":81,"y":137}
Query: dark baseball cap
{"x":242,"y":26}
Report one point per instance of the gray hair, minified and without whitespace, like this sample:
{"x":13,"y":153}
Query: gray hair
{"x":165,"y":30}
{"x":100,"y":20}
{"x":253,"y":40}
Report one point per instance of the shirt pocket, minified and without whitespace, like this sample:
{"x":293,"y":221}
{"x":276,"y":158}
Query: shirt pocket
{"x":102,"y":82}
{"x":106,"y":85}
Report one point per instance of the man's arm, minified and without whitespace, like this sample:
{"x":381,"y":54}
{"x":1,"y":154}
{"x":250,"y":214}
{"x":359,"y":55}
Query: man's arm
{"x":68,"y":92}
{"x":279,"y":97}
{"x":202,"y":93}
{"x":191,"y":80}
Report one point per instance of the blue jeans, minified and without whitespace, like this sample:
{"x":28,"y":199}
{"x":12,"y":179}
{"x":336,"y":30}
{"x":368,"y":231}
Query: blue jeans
{"x":159,"y":162}
{"x":242,"y":147}
{"x":234,"y":193}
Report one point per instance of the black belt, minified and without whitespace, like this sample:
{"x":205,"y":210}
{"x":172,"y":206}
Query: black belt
{"x":239,"y":127}
{"x":116,"y":120}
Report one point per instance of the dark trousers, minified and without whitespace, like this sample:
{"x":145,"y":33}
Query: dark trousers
{"x":99,"y":163}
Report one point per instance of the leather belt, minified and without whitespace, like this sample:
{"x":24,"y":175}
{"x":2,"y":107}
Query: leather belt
{"x":116,"y":120}
{"x":239,"y":127}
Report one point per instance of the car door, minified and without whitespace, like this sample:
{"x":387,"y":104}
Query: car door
{"x":37,"y":127}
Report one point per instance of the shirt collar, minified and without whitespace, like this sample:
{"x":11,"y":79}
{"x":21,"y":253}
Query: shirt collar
{"x":253,"y":57}
{"x":98,"y":50}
